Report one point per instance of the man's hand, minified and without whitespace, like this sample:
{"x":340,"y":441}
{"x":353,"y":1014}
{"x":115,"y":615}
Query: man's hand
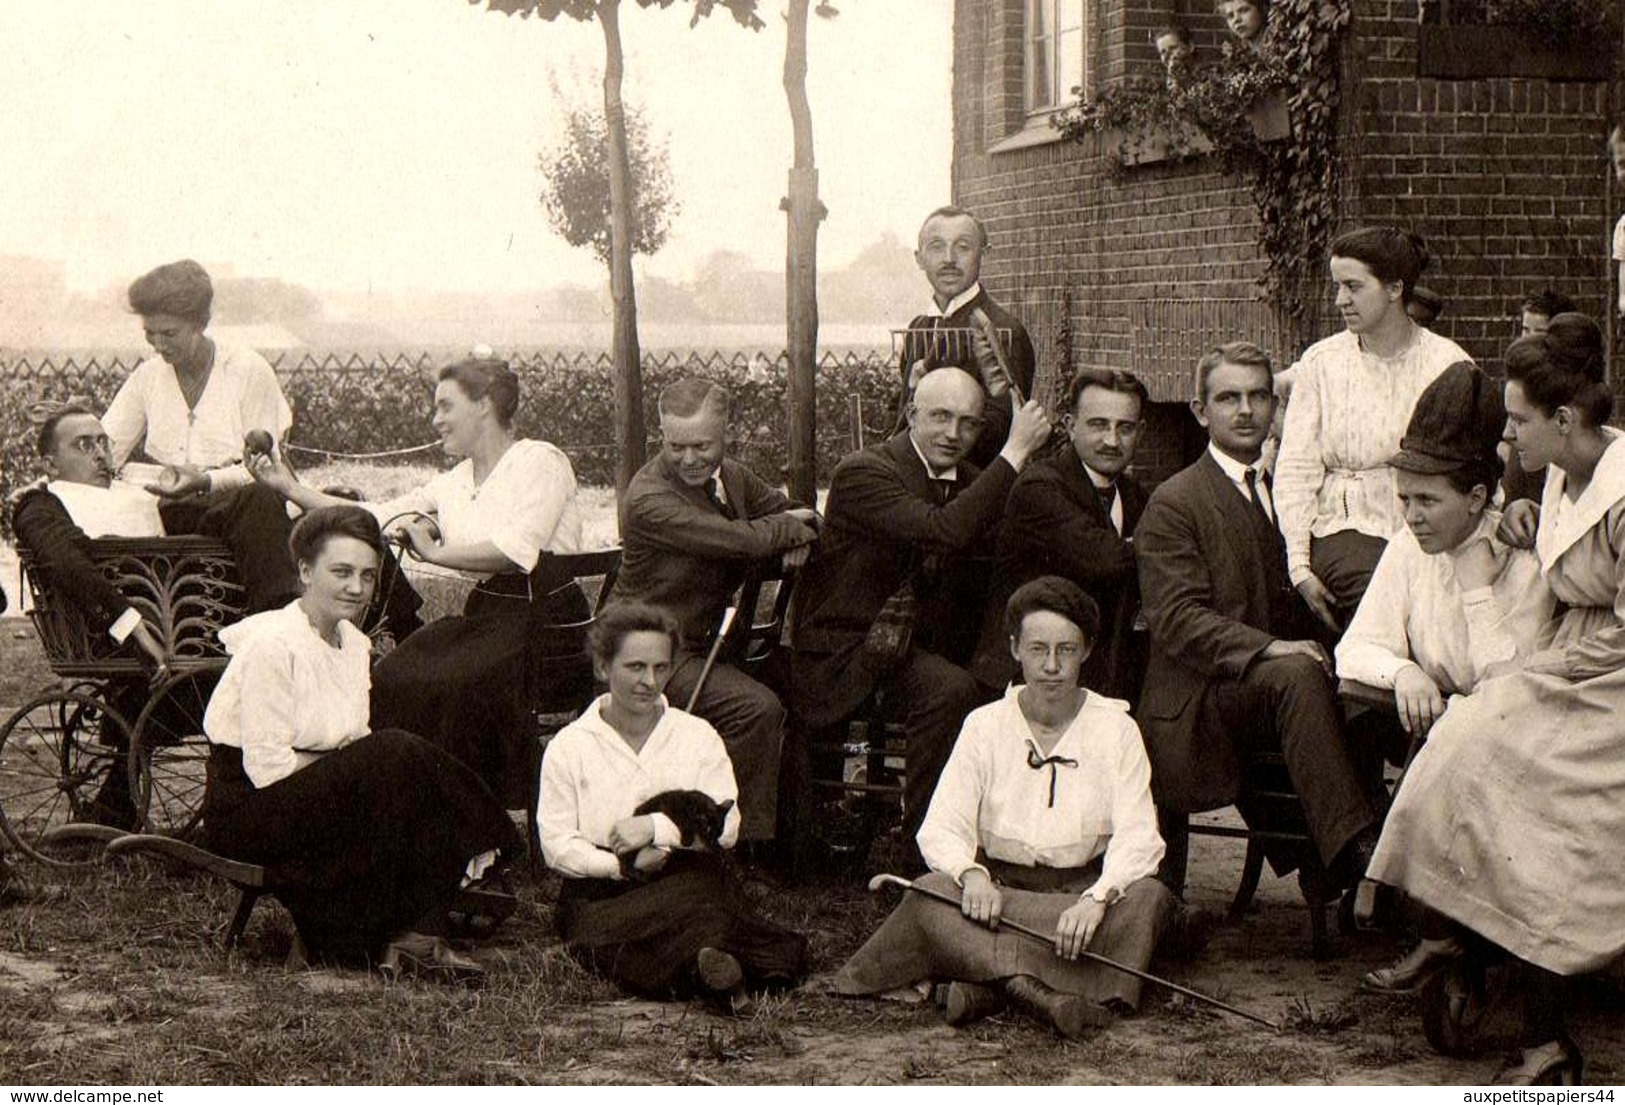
{"x":1029,"y":430}
{"x":631,"y":833}
{"x":1519,"y":523}
{"x":179,"y":481}
{"x":1275,"y":650}
{"x":981,"y":901}
{"x":916,"y":373}
{"x":1320,"y":600}
{"x":1418,"y":700}
{"x":1076,"y":927}
{"x":795,"y":559}
{"x":807,"y":516}
{"x":146,"y":639}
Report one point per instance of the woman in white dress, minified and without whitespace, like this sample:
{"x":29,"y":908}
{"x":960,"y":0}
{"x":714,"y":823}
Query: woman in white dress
{"x":1352,"y":395}
{"x":1043,"y":815}
{"x":497,"y":519}
{"x":365,"y":834}
{"x":1509,"y":823}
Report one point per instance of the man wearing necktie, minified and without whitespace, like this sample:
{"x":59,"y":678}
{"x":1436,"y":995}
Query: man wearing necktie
{"x":1072,"y":514}
{"x":1234,"y":660}
{"x":953,"y":329}
{"x":693,"y":524}
{"x":893,"y":516}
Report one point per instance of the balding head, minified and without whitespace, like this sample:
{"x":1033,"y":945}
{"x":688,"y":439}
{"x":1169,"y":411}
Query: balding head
{"x":946,"y":416}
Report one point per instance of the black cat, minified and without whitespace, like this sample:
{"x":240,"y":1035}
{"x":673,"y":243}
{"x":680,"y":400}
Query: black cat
{"x":699,"y":820}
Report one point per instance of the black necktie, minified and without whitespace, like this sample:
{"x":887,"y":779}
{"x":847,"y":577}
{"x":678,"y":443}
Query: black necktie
{"x":717,"y":500}
{"x":1257,"y":501}
{"x":943,"y":488}
{"x":1038,"y":763}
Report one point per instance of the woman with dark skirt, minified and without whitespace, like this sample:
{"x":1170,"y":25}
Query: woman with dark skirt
{"x":366,"y":837}
{"x":468,"y":684}
{"x":647,"y":901}
{"x":1043,"y":816}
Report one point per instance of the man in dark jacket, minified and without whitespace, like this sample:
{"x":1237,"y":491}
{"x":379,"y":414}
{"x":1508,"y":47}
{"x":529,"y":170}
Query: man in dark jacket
{"x":909,"y":509}
{"x":1233,"y":656}
{"x":1073,"y":515}
{"x":693,"y":525}
{"x":964,"y":328}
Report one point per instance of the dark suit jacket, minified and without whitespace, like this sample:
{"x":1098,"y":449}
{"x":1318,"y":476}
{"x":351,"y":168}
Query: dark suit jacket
{"x":1023,"y":362}
{"x":683,"y":554}
{"x":1058,"y":523}
{"x":1206,"y":596}
{"x":882,"y":522}
{"x":44,"y":526}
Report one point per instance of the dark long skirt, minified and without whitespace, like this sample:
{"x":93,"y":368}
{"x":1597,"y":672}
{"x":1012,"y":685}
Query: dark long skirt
{"x":361,"y":844}
{"x":471,"y":684}
{"x":645,"y":935}
{"x":928,"y":939}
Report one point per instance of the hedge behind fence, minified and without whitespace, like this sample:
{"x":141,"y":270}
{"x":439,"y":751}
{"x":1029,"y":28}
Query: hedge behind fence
{"x":354,"y":404}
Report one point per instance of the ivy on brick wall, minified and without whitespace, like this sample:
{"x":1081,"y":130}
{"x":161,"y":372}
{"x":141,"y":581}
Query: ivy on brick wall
{"x":1293,"y":179}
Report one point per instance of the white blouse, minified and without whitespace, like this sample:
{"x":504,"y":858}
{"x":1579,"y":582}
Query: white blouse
{"x":591,"y":779}
{"x":1349,"y":409}
{"x":990,"y":797}
{"x":287,"y":696}
{"x":242,"y":394}
{"x":1415,"y":611}
{"x":526,"y":506}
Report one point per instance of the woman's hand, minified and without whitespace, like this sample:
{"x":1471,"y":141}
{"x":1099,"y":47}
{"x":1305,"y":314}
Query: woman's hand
{"x":650,"y":859}
{"x":1417,"y":699}
{"x":1477,"y":565}
{"x":423,"y":538}
{"x":981,"y":901}
{"x":270,"y":471}
{"x":631,"y":833}
{"x":1320,"y":600}
{"x":1076,"y":927}
{"x":1519,"y":524}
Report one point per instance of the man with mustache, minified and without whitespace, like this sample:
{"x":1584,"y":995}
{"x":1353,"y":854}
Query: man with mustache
{"x":1234,"y":661}
{"x":960,"y":326}
{"x":694,"y":523}
{"x":1072,"y":514}
{"x":82,"y":499}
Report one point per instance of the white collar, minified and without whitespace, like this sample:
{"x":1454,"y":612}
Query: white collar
{"x":956,"y":302}
{"x":950,"y":474}
{"x":1102,"y":483}
{"x":1561,"y":527}
{"x":1232,"y":467}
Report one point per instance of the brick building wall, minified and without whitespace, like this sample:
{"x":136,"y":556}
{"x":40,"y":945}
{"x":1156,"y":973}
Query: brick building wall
{"x":1505,"y":178}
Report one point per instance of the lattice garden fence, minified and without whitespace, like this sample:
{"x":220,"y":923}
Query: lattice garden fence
{"x":350,"y":403}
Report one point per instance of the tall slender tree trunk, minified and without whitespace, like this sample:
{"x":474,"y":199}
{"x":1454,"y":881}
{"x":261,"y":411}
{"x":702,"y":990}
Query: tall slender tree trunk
{"x":801,"y":265}
{"x":629,"y":427}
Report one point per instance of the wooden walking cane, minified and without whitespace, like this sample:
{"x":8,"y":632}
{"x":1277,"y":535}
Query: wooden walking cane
{"x":1049,"y":941}
{"x":728,"y":616}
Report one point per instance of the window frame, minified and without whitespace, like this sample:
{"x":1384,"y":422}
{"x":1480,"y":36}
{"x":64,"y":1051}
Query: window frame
{"x":1060,"y":85}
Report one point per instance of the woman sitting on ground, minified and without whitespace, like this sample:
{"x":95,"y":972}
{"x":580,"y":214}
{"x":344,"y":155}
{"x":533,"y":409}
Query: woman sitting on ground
{"x":468,"y":684}
{"x":1043,"y":816}
{"x":366,"y":837}
{"x":1508,"y":824}
{"x":646,"y":899}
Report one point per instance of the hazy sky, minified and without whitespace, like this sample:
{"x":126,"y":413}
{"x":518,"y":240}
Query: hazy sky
{"x":350,"y":144}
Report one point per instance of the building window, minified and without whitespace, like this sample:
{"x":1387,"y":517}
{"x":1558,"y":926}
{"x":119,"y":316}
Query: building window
{"x":1057,"y":54}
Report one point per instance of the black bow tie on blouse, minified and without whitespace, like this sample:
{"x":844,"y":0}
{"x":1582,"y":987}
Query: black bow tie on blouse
{"x":1038,"y":763}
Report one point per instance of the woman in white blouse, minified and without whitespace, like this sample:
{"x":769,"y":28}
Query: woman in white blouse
{"x":365,"y":834}
{"x":496,"y":518}
{"x":647,"y":901}
{"x":1042,"y":815}
{"x":1352,"y":394}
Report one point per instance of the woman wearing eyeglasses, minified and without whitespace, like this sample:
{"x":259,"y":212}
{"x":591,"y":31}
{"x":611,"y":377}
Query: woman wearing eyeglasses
{"x":1043,"y":815}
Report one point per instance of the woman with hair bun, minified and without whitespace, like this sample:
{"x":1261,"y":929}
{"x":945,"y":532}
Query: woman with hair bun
{"x":1509,"y":822}
{"x":495,"y":519}
{"x":1352,"y":395}
{"x":366,"y":834}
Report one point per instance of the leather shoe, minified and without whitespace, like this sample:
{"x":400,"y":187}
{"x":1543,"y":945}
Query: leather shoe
{"x":724,"y":979}
{"x":970,"y":1001}
{"x":1074,"y":1017}
{"x":1188,"y":934}
{"x":1407,"y":973}
{"x":429,"y":957}
{"x":1554,"y":1063}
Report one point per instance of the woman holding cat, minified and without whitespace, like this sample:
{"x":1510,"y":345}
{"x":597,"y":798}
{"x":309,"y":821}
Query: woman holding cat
{"x":636,"y":798}
{"x":1043,"y":815}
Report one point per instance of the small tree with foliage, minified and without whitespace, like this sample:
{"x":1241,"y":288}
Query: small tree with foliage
{"x":575,"y":184}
